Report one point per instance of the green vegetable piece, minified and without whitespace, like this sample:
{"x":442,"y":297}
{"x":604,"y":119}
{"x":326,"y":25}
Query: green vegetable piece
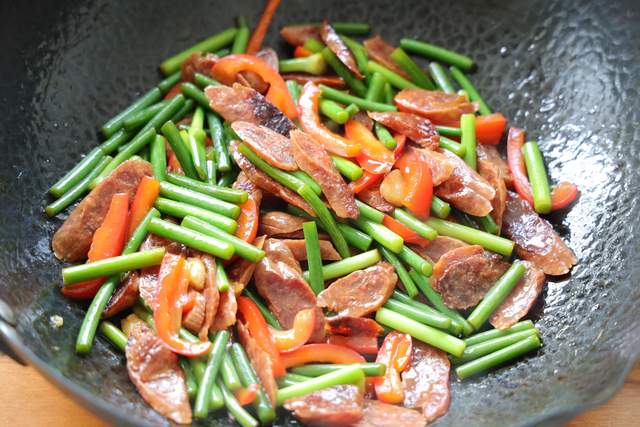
{"x":472,"y":236}
{"x":114,"y":334}
{"x":191,"y":238}
{"x":241,"y":40}
{"x":171,"y":132}
{"x":114,"y":124}
{"x":170,"y":81}
{"x":180,"y":210}
{"x":114,"y":265}
{"x":346,"y":375}
{"x":221,"y":277}
{"x":313,"y":64}
{"x":538,"y":177}
{"x":192,"y":91}
{"x":422,"y":229}
{"x":194,"y":198}
{"x":408,"y":65}
{"x":218,"y":139}
{"x":248,"y":376}
{"x":393,"y":78}
{"x":348,"y":265}
{"x":448,"y":131}
{"x":334,"y":111}
{"x":211,"y":44}
{"x":468,"y":139}
{"x":240,"y":414}
{"x":497,"y":333}
{"x":438,"y":53}
{"x":79,"y":171}
{"x":369,"y":213}
{"x":82,"y":186}
{"x":468,"y":87}
{"x":436,"y":320}
{"x":142,"y":117}
{"x":158,"y":156}
{"x":326,"y":220}
{"x":402,"y":273}
{"x":230,"y":195}
{"x":242,"y":248}
{"x":482,"y":349}
{"x":499,"y":357}
{"x":453,"y":146}
{"x":214,"y":360}
{"x":380,"y":234}
{"x":307,"y":372}
{"x":440,"y":208}
{"x":314,"y":260}
{"x":376,"y":87}
{"x":136,"y":144}
{"x":439,"y":75}
{"x":354,"y":84}
{"x":347,"y":168}
{"x":383,"y":134}
{"x":498,"y":292}
{"x":345,"y":98}
{"x":421,"y":332}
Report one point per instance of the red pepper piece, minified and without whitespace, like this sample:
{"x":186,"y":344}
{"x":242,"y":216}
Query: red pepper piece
{"x":320,"y":353}
{"x":249,"y":313}
{"x":395,"y":353}
{"x":173,"y":280}
{"x":227,"y":68}
{"x":108,"y":241}
{"x":303,"y":326}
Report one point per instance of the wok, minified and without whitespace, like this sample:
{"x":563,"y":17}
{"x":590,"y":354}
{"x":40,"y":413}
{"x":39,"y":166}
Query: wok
{"x":565,"y":71}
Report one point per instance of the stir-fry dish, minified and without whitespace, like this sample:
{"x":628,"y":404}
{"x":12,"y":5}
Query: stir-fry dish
{"x":331,"y":233}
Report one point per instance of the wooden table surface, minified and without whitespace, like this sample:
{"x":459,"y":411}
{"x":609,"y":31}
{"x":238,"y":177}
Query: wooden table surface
{"x":27,"y":399}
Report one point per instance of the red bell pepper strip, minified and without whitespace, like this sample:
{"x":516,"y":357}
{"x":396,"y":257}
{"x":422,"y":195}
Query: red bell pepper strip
{"x":320,"y":353}
{"x":248,"y":220}
{"x":407,"y":234}
{"x":246,"y":395}
{"x":145,"y":197}
{"x":108,"y":241}
{"x":400,"y":141}
{"x":250,"y":314}
{"x":418,"y":186}
{"x":562,"y":195}
{"x":489,"y":128}
{"x":395,"y":353}
{"x":257,"y":37}
{"x":374,"y":157}
{"x":173,"y":165}
{"x":310,"y":122}
{"x":190,"y":300}
{"x":303,"y":326}
{"x":367,"y":180}
{"x":301,"y":52}
{"x":518,"y":169}
{"x":227,"y":68}
{"x":173,"y":283}
{"x":174,"y":91}
{"x":363,"y":344}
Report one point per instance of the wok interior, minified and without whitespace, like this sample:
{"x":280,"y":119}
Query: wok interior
{"x":548,"y":66}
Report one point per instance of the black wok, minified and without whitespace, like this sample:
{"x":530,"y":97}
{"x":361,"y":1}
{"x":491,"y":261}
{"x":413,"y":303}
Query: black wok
{"x":568,"y":72}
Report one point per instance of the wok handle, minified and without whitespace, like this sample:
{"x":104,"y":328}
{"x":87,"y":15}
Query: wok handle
{"x":9,"y":338}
